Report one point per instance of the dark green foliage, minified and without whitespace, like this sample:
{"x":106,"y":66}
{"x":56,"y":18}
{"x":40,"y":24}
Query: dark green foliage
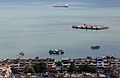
{"x":40,"y":67}
{"x":58,"y":63}
{"x":93,"y":69}
{"x":29,"y":69}
{"x":87,"y":68}
{"x":37,"y":57}
{"x":88,"y":57}
{"x":72,"y":68}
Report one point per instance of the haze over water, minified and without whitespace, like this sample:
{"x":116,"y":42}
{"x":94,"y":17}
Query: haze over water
{"x":35,"y":27}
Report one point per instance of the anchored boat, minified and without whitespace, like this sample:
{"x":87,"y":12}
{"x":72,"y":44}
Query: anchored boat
{"x":95,"y":47}
{"x":65,"y":5}
{"x":56,"y":51}
{"x":92,"y":27}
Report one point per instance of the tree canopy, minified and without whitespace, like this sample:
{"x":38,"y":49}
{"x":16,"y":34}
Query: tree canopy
{"x":40,"y":67}
{"x":29,"y":69}
{"x":72,"y":68}
{"x":87,"y":68}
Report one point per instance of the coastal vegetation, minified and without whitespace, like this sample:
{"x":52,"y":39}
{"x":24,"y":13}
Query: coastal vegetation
{"x":82,"y":68}
{"x":58,"y":63}
{"x":29,"y":69}
{"x":37,"y":68}
{"x":87,"y":68}
{"x":40,"y":67}
{"x":72,"y":68}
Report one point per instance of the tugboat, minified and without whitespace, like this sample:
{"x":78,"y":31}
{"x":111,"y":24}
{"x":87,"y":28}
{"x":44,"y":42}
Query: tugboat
{"x":56,"y":51}
{"x":95,"y":47}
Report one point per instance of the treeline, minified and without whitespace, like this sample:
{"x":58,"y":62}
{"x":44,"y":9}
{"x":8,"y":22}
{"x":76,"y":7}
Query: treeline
{"x":37,"y":68}
{"x":42,"y":68}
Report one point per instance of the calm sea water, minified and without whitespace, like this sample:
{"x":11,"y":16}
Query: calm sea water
{"x":35,"y":27}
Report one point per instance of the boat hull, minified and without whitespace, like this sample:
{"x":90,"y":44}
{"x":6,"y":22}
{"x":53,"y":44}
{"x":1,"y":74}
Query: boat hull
{"x":56,"y":52}
{"x":61,"y":6}
{"x":90,"y":27}
{"x":95,"y":47}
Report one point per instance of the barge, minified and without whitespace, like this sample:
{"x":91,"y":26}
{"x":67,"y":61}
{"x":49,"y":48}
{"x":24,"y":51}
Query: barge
{"x":94,"y":27}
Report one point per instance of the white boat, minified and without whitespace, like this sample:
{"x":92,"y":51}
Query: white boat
{"x":65,"y":5}
{"x":56,"y":51}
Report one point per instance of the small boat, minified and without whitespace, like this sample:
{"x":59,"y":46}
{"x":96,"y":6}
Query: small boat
{"x":56,"y":51}
{"x":65,"y":5}
{"x":95,"y":47}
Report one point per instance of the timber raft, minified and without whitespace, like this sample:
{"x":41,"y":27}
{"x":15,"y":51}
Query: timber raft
{"x":92,"y":27}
